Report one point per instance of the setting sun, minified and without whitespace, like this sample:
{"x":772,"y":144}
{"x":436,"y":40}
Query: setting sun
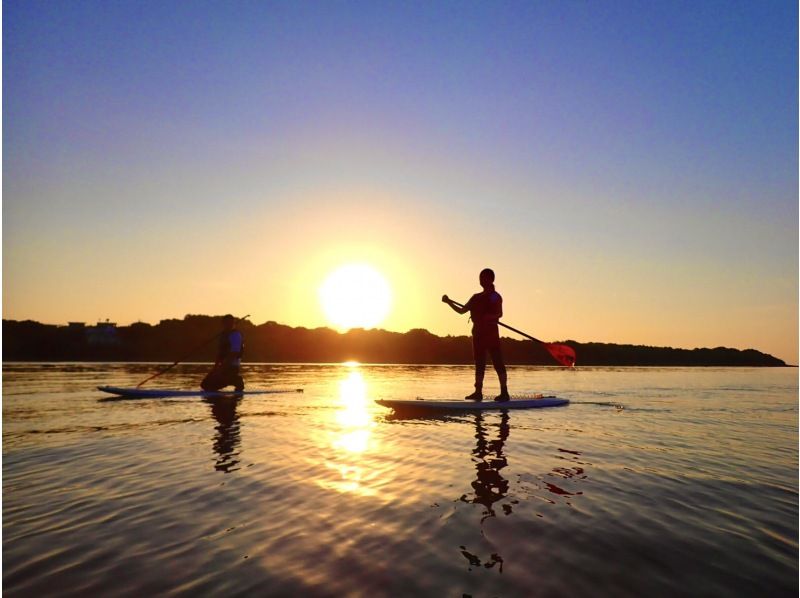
{"x":355,"y":296}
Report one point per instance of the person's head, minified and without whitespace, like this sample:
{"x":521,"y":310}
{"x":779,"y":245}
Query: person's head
{"x":228,"y":322}
{"x":486,"y":277}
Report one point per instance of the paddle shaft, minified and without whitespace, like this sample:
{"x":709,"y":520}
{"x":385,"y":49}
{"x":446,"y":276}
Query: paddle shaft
{"x":186,"y":356}
{"x":456,"y":303}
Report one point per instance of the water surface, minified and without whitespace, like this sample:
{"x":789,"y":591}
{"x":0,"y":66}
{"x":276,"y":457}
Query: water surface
{"x":653,"y":481}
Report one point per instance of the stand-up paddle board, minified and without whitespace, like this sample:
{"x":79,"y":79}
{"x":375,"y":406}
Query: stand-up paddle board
{"x":486,"y":404}
{"x":153,"y":393}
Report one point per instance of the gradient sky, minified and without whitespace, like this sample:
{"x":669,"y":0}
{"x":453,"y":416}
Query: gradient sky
{"x":629,"y":169}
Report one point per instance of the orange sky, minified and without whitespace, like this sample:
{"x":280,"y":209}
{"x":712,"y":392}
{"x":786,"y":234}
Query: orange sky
{"x":282,"y":257}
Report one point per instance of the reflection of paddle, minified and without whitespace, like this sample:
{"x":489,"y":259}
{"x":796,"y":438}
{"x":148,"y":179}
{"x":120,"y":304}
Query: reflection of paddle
{"x":563,"y":354}
{"x":185,"y":357}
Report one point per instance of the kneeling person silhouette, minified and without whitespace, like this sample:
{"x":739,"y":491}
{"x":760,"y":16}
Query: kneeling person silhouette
{"x":229,"y":358}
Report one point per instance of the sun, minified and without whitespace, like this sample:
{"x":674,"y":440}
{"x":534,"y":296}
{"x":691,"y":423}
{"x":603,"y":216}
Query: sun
{"x":355,"y":296}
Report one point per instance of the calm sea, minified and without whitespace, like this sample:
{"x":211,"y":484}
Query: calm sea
{"x":652,"y":482}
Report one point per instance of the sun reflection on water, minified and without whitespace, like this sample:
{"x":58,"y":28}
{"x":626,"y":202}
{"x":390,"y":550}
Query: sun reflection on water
{"x":354,"y":417}
{"x":351,"y":437}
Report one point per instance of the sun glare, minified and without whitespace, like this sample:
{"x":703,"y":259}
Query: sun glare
{"x":355,"y":296}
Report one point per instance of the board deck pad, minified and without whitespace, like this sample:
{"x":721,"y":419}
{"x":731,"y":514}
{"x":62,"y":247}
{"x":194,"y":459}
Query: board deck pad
{"x":516,"y":402}
{"x":153,"y":393}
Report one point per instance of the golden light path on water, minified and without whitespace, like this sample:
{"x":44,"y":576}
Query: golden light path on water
{"x":351,"y":437}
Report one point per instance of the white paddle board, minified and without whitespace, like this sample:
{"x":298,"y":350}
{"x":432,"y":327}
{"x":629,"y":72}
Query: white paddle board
{"x":153,"y":393}
{"x":486,"y":404}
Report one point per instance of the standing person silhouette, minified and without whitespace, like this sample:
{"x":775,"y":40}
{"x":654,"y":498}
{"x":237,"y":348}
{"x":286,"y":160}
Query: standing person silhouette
{"x":229,"y":358}
{"x":485,"y":309}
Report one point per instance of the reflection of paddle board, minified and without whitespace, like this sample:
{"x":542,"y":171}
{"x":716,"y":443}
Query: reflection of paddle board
{"x":153,"y":393}
{"x":516,"y":403}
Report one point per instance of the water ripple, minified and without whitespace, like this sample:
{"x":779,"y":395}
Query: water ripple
{"x":329,"y":494}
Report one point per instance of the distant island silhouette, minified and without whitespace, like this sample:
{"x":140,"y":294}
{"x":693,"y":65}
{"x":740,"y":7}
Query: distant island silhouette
{"x":171,"y":339}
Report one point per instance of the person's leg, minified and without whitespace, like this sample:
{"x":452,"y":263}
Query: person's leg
{"x":213,"y":381}
{"x":479,"y":353}
{"x":231,"y":377}
{"x":237,"y":381}
{"x":500,"y":368}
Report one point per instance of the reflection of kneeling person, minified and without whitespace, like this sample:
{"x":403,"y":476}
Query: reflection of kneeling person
{"x":229,"y":358}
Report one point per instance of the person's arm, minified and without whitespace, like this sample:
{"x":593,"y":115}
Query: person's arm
{"x":461,"y":310}
{"x":222,"y":350}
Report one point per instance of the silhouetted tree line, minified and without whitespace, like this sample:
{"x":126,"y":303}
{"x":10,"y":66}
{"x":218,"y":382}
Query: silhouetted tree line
{"x":194,"y":339}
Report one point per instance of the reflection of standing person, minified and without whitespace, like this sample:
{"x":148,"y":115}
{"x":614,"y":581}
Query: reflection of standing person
{"x":229,"y":359}
{"x":485,"y":308}
{"x":489,"y":485}
{"x":227,"y":432}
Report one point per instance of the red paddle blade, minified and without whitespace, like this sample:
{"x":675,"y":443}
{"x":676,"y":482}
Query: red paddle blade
{"x":563,"y":354}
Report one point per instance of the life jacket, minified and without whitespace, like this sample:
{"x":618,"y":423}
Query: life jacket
{"x":480,"y":305}
{"x":231,"y":347}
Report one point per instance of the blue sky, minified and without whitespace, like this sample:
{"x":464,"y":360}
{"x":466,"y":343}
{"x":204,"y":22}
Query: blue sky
{"x":610,"y":158}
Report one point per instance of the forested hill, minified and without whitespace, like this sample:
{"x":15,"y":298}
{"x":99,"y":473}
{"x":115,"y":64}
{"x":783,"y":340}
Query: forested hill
{"x":174,"y":339}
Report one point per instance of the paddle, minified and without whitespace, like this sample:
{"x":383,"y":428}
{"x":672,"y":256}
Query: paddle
{"x":563,"y":354}
{"x":186,"y":356}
